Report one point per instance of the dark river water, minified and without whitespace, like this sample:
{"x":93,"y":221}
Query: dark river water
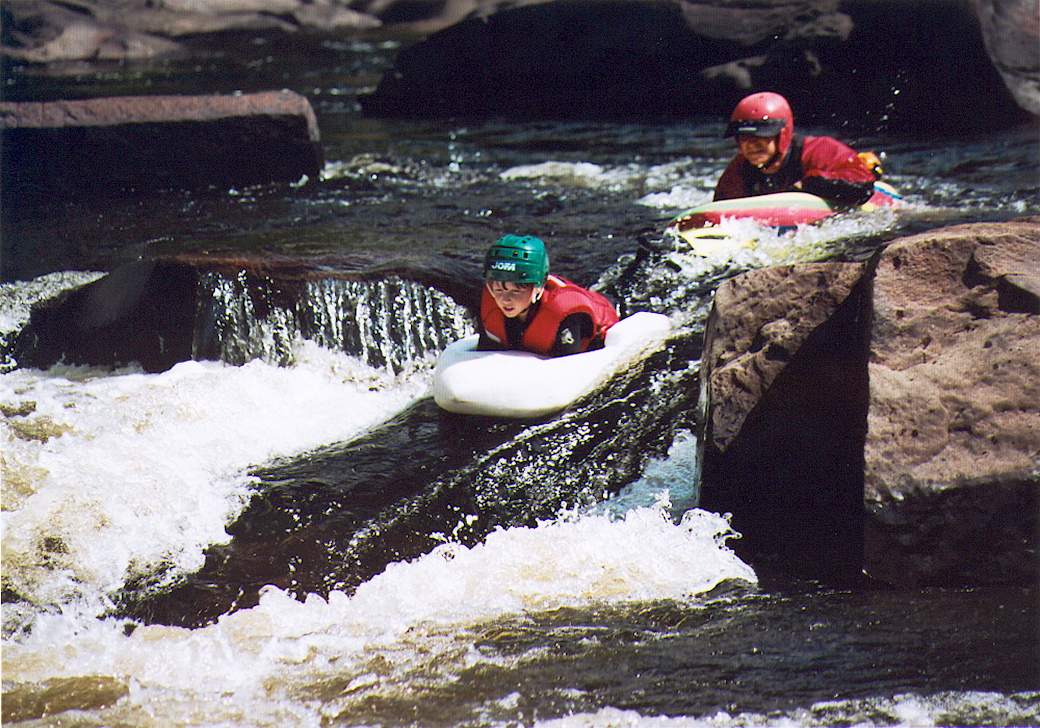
{"x":296,"y":535}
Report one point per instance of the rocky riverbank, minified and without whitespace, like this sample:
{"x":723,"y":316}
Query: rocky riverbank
{"x":906,"y":67}
{"x":867,"y":64}
{"x":943,"y":65}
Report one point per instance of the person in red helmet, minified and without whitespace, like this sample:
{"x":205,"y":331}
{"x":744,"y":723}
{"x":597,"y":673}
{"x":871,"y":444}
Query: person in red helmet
{"x":771,"y":158}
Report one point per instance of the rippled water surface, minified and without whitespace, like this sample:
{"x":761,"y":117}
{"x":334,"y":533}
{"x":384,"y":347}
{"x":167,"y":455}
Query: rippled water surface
{"x":304,"y":539}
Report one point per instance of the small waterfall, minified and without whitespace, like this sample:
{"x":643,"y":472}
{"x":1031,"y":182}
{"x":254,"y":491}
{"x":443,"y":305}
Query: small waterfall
{"x":389,"y":323}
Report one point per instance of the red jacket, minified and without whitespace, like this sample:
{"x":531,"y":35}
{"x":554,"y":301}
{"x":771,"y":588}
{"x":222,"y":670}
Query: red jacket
{"x":823,"y":165}
{"x":560,"y":299}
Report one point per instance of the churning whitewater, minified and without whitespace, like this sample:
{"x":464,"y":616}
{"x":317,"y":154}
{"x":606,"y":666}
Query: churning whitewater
{"x":279,"y":658}
{"x":556,"y":573}
{"x":122,"y":475}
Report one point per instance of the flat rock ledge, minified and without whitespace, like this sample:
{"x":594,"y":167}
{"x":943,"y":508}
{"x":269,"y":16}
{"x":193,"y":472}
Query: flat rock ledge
{"x":158,"y":312}
{"x":883,"y":417}
{"x":111,"y":146}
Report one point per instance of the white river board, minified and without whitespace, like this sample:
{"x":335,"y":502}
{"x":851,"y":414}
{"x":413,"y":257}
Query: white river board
{"x":521,"y":384}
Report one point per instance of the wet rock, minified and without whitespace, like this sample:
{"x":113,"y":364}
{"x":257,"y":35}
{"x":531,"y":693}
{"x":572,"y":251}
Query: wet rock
{"x":896,"y":425}
{"x":40,"y":428}
{"x":143,"y":312}
{"x":113,"y":146}
{"x":952,"y":454}
{"x":51,"y":698}
{"x":22,"y":409}
{"x":156,"y":313}
{"x":429,"y":16}
{"x":49,"y":31}
{"x":1011,"y":31}
{"x":876,"y":64}
{"x":784,"y":398}
{"x":332,"y":16}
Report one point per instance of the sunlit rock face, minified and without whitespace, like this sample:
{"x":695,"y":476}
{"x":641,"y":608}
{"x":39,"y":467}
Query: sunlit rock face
{"x":884,"y":417}
{"x":952,"y":456}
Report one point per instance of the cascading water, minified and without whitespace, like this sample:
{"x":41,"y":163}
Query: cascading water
{"x":314,"y":488}
{"x":388,"y":323}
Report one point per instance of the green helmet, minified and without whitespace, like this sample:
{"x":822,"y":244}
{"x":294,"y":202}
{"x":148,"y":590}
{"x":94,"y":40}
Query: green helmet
{"x":518,"y":259}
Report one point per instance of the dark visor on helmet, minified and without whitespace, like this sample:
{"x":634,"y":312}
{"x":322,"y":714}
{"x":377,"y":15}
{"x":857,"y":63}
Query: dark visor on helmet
{"x":755,"y":127}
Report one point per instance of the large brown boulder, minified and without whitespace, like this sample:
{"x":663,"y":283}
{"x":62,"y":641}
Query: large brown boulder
{"x":883,"y":417}
{"x":752,"y":337}
{"x":100,"y":147}
{"x":783,"y":392}
{"x":952,"y":454}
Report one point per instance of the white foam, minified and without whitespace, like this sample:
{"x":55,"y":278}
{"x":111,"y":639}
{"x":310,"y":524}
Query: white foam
{"x":17,"y":299}
{"x":416,"y":618}
{"x":150,"y":468}
{"x":906,"y":710}
{"x":681,"y":183}
{"x":575,"y":174}
{"x":772,"y":246}
{"x":681,"y":196}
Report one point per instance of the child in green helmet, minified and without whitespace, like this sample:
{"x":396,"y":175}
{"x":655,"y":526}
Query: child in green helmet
{"x":524,"y":307}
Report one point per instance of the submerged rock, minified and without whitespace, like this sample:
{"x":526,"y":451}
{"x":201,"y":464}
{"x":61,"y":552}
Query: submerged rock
{"x":884,"y":416}
{"x":110,"y":146}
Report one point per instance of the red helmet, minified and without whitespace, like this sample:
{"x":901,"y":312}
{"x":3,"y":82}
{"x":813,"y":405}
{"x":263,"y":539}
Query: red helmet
{"x":764,"y":114}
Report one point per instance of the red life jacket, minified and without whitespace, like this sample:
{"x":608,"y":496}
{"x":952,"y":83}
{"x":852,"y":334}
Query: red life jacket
{"x":820,"y":156}
{"x":560,"y":299}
